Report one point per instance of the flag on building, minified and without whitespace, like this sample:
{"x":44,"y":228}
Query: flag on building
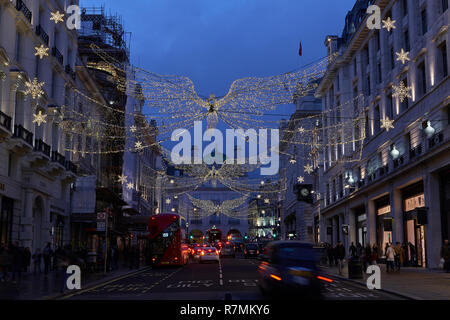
{"x":300,"y":51}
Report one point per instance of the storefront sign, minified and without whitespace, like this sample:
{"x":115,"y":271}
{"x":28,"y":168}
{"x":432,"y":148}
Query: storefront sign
{"x":362,"y":217}
{"x":384,"y":210}
{"x":101,"y":226}
{"x":415,"y":202}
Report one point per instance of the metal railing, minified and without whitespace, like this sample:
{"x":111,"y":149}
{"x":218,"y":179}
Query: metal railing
{"x":21,"y":133}
{"x":70,"y":166}
{"x":20,"y":6}
{"x":5,"y":121}
{"x":58,"y":55}
{"x":41,"y":146}
{"x":58,"y":158}
{"x":44,"y":36}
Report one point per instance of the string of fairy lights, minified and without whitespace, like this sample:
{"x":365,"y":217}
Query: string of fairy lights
{"x":247,"y":105}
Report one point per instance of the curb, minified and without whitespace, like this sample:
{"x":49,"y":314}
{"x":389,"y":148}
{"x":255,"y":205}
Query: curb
{"x":396,"y":293}
{"x":91,"y":285}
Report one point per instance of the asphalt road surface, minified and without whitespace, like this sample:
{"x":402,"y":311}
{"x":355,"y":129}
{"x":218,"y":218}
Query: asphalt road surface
{"x":237,"y":277}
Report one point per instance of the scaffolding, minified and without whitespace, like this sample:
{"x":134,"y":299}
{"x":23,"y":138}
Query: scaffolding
{"x":104,"y":29}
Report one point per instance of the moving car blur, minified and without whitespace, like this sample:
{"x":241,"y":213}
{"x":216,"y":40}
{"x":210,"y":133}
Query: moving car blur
{"x":289,"y":269}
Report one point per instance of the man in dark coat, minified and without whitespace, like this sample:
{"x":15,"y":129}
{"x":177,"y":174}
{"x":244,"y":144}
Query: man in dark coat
{"x":445,"y":254}
{"x":339,"y":253}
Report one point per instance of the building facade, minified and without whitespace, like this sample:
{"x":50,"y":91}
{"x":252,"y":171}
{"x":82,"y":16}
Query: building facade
{"x":36,"y":174}
{"x":398,"y":190}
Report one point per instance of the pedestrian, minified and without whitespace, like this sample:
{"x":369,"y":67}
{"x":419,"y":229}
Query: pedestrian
{"x":330,"y":254}
{"x":374,"y":254}
{"x":352,"y":250}
{"x":412,"y":254}
{"x":405,"y":252}
{"x":339,"y":252}
{"x":17,"y":264}
{"x":5,"y":262}
{"x":399,"y":255}
{"x":445,"y":255}
{"x":47,"y":254}
{"x":386,"y":248}
{"x":27,"y":259}
{"x":367,"y":257}
{"x":37,"y":257}
{"x":390,"y":258}
{"x":359,"y":250}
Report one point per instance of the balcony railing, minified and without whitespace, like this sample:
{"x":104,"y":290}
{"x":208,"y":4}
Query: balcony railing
{"x":23,"y":134}
{"x":70,"y":71}
{"x":5,"y":121}
{"x":398,"y":162}
{"x":70,"y":166}
{"x":58,"y":55}
{"x":58,"y":158}
{"x":435,"y":140}
{"x":20,"y":6}
{"x":44,"y":36}
{"x":383,"y":170}
{"x":41,"y":146}
{"x":417,"y":151}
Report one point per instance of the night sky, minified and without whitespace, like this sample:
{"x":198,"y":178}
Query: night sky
{"x":214,"y":42}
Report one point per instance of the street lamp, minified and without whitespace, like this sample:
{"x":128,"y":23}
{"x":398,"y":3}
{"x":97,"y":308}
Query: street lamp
{"x":394,"y":153}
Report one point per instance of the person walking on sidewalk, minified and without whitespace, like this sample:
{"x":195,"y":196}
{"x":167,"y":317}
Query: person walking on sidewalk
{"x":399,"y":255}
{"x":27,"y":259}
{"x":37,"y":257}
{"x":47,"y":255}
{"x":390,"y":258}
{"x":339,"y":253}
{"x":17,"y":264}
{"x":374,"y":254}
{"x":352,"y":250}
{"x":5,"y":262}
{"x":445,"y":254}
{"x":367,"y":256}
{"x":412,"y":254}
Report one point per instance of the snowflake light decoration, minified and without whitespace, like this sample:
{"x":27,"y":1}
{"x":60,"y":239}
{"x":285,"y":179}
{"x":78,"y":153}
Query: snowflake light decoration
{"x":39,"y":118}
{"x":130,"y":186}
{"x":122,"y":179}
{"x":402,"y":91}
{"x":403,"y":56}
{"x":34,"y":88}
{"x":387,"y":124}
{"x":388,"y":24}
{"x":41,"y":51}
{"x":308,"y":169}
{"x":267,"y":201}
{"x":138,"y":146}
{"x":57,"y":16}
{"x":300,"y":179}
{"x":301,"y":130}
{"x":133,"y":129}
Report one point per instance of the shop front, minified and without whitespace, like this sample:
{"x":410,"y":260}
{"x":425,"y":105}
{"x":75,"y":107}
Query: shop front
{"x":445,"y":204}
{"x":383,"y":223}
{"x":414,"y":223}
{"x":361,"y":226}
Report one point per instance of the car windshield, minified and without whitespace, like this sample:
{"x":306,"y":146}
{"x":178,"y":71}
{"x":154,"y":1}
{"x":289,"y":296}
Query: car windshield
{"x":252,"y":247}
{"x":299,"y":253}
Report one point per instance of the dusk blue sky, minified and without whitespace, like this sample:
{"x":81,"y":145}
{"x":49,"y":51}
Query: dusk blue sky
{"x":215,"y":42}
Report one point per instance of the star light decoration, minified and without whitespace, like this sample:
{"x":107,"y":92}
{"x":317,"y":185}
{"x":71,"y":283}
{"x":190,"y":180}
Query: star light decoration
{"x":34,"y":88}
{"x":130,"y":186}
{"x":267,"y":201}
{"x":388,"y":24}
{"x":41,"y":51}
{"x":57,"y":17}
{"x":308,"y":169}
{"x":168,"y":201}
{"x":300,"y":179}
{"x":122,"y":179}
{"x":293,"y":161}
{"x":403,"y":56}
{"x":133,"y":129}
{"x":387,"y":124}
{"x":402,"y":91}
{"x":301,"y":130}
{"x":39,"y":118}
{"x":138,"y":146}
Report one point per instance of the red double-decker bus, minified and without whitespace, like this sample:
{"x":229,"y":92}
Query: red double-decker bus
{"x":167,"y":241}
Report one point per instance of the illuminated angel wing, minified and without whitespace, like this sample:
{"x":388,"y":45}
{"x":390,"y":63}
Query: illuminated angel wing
{"x":206,"y":205}
{"x":228,"y":205}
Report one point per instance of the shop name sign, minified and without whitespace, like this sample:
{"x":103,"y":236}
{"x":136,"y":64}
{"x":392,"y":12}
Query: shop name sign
{"x":414,"y":202}
{"x":384,"y":210}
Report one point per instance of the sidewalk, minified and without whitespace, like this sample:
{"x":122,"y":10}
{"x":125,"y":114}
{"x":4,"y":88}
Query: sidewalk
{"x":414,"y":283}
{"x":38,"y":287}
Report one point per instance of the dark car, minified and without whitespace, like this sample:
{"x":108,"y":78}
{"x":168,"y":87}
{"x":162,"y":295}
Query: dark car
{"x":289,"y":270}
{"x":227,"y":250}
{"x":251,"y":250}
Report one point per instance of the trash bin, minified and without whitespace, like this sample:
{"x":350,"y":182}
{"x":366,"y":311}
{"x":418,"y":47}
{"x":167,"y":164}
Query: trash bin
{"x":355,"y":268}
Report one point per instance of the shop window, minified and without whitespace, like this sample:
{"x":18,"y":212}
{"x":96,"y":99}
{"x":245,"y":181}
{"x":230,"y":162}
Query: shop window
{"x":390,"y":106}
{"x":6,"y":220}
{"x":422,"y":78}
{"x":443,"y":59}
{"x":376,"y":119}
{"x":423,"y":16}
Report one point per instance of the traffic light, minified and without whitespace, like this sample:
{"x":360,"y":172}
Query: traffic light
{"x":191,"y":237}
{"x":246,"y":237}
{"x":304,"y":192}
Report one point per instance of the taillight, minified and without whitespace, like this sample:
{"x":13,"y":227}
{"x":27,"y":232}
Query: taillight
{"x":257,"y":251}
{"x":209,"y":250}
{"x":275,"y":277}
{"x":203,"y":253}
{"x":217,"y":252}
{"x":245,"y":251}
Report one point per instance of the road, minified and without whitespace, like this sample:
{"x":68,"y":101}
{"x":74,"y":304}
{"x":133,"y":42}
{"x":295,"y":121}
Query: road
{"x":210,"y":281}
